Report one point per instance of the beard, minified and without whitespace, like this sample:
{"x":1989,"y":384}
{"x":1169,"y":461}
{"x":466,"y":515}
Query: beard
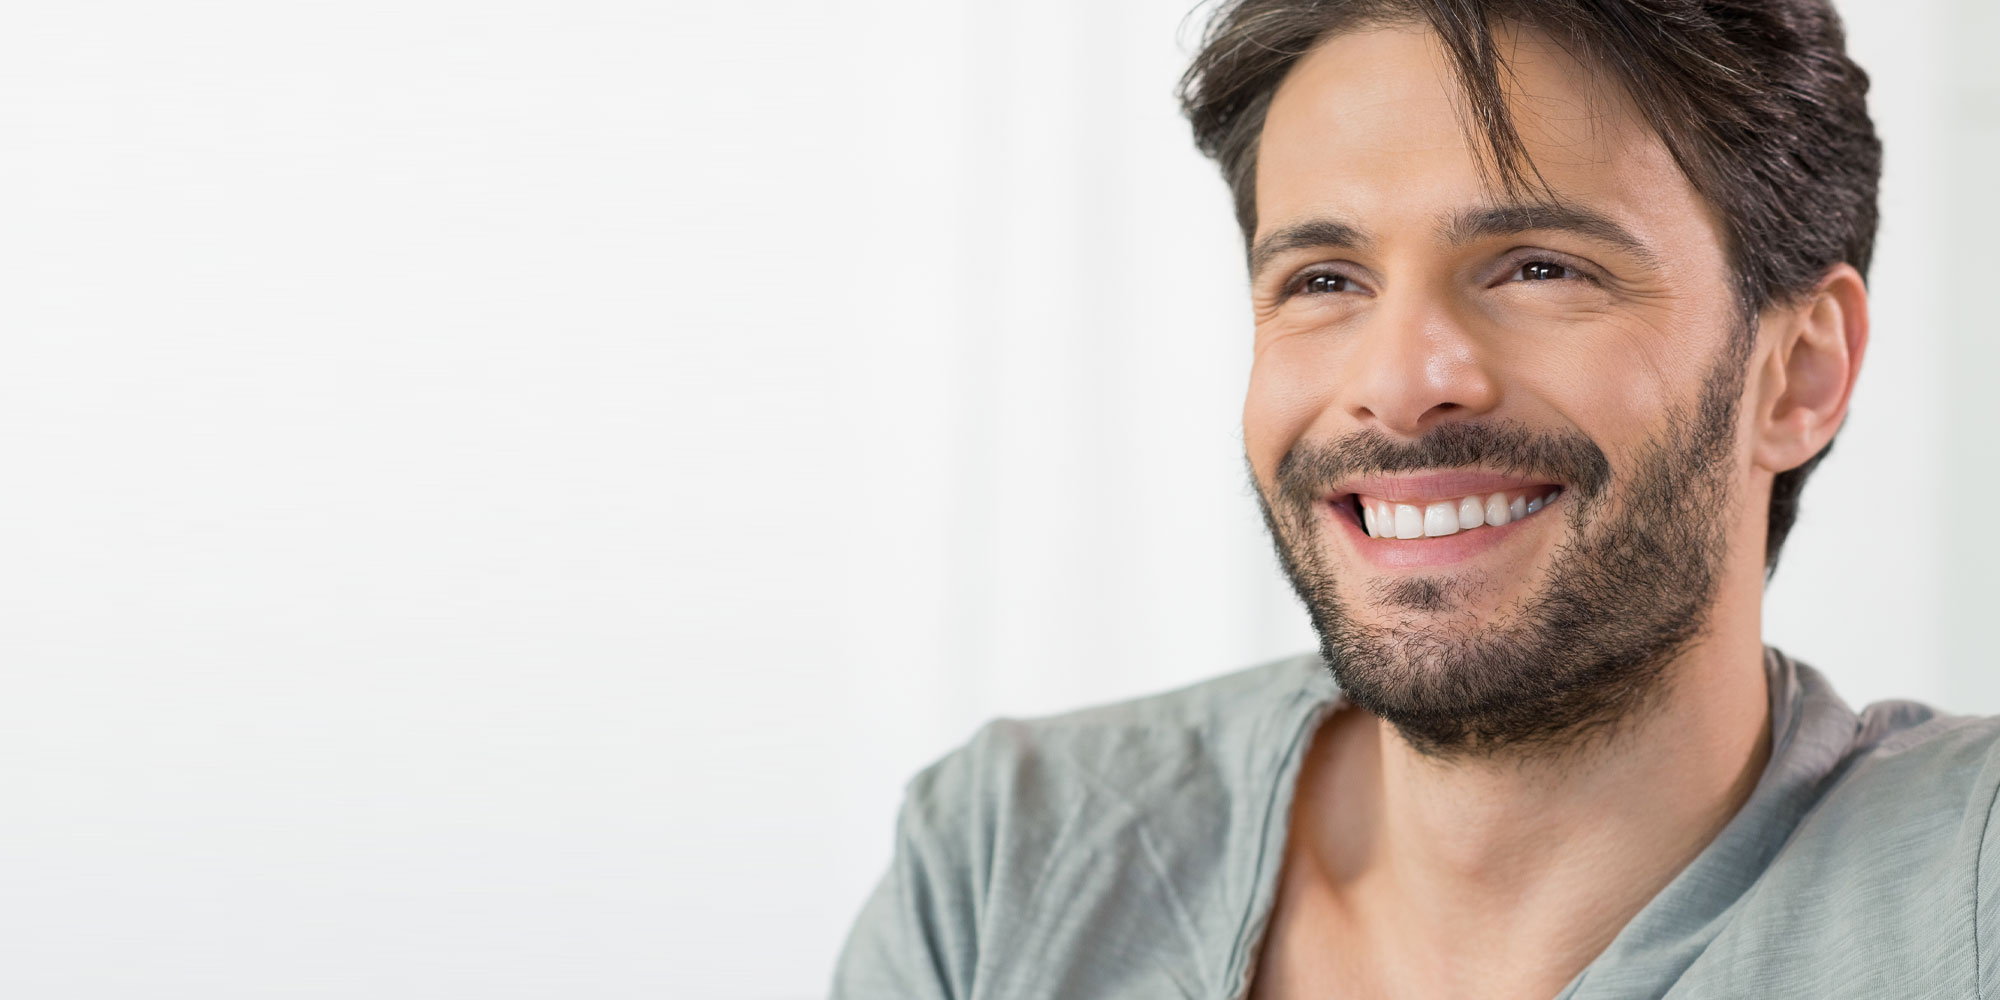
{"x":1630,"y":586}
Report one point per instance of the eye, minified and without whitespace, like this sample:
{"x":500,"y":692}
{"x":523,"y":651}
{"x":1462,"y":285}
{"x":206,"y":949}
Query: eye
{"x":1542,"y":270}
{"x":1321,"y":284}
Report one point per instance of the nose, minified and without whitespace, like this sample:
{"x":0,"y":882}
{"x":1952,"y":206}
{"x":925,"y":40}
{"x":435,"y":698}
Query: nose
{"x":1415,"y":369}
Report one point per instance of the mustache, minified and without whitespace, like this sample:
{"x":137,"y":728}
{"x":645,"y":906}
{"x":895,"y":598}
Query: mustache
{"x":1567,"y":457}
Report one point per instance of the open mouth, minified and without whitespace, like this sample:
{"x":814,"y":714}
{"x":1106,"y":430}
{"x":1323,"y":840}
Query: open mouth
{"x":1408,"y":519}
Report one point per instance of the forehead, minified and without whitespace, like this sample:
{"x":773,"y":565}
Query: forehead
{"x":1370,"y":126}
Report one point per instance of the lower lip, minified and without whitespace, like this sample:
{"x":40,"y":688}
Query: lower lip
{"x":1413,"y":553}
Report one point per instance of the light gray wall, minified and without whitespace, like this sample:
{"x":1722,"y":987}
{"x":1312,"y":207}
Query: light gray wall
{"x":1967,"y":178}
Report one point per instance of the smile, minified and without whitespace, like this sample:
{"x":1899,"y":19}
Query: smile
{"x":1409,"y":519}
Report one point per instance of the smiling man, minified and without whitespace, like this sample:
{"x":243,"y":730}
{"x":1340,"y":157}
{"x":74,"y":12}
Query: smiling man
{"x":1556,"y":306}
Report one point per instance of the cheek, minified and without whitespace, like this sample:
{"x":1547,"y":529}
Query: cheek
{"x":1289,"y":390}
{"x":1615,"y":381}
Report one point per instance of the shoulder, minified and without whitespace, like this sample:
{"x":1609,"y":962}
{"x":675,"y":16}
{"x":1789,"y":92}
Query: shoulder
{"x":1880,"y":889}
{"x":1933,"y":768}
{"x":1123,"y":751}
{"x":1141,"y":829}
{"x":1859,"y":867}
{"x":1914,"y":783}
{"x":1901,"y":758}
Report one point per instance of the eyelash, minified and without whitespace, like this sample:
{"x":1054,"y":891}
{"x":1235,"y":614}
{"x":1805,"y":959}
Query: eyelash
{"x":1302,"y":285}
{"x":1573,"y":270}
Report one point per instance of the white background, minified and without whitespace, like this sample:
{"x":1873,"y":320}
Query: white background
{"x":500,"y":496}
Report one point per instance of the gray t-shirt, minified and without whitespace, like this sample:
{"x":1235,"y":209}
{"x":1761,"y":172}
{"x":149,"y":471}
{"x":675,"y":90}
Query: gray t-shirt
{"x":1132,"y":851}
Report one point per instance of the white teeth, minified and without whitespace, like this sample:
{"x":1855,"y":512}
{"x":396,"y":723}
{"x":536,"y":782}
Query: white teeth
{"x":1383,"y":519}
{"x":1470,"y":513}
{"x":1441,"y":518}
{"x":1409,"y":521}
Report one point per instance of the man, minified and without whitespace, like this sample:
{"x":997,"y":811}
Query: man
{"x":1556,"y":306}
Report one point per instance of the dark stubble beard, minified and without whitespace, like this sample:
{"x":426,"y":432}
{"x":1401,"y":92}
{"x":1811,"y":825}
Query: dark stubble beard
{"x":1629,"y":588}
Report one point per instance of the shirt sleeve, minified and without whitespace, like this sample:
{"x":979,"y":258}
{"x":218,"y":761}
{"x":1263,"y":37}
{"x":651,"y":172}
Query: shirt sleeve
{"x":1986,"y":895}
{"x":916,"y":937}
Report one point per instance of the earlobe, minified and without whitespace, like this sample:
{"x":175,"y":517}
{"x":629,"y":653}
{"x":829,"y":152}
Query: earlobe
{"x":1808,"y":376}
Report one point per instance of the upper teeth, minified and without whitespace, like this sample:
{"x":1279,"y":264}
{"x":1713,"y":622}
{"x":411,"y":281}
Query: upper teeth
{"x":1385,"y":519}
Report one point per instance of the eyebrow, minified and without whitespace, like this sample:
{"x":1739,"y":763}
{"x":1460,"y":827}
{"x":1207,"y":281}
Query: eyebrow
{"x":1521,"y":217}
{"x":1466,"y":227}
{"x":1312,"y":234}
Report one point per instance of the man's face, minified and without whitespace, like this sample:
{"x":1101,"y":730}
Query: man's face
{"x":1435,"y":359}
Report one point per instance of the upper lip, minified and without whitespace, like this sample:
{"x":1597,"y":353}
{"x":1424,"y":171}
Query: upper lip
{"x":1429,"y":487}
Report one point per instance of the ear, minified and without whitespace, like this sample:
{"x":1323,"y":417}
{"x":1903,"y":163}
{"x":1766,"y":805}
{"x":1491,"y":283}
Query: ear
{"x":1804,"y":382}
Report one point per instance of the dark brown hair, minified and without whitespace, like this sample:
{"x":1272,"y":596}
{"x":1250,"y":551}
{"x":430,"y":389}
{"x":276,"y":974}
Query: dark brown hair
{"x":1756,"y":100}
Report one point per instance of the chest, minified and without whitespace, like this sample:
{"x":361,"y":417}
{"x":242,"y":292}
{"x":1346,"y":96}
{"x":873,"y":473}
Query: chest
{"x":1813,"y":936}
{"x":1316,"y":948}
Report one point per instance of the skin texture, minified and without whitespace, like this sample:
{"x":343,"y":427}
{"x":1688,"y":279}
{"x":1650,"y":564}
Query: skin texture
{"x":1414,"y":873}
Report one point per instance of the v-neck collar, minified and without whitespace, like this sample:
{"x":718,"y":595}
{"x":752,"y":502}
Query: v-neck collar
{"x":1812,"y":730}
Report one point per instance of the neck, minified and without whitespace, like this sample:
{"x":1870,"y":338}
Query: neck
{"x":1540,"y":859}
{"x":1642,"y":801}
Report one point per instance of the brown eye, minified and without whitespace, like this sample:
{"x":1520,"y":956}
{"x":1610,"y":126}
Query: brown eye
{"x":1541,"y":270}
{"x":1320,"y":284}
